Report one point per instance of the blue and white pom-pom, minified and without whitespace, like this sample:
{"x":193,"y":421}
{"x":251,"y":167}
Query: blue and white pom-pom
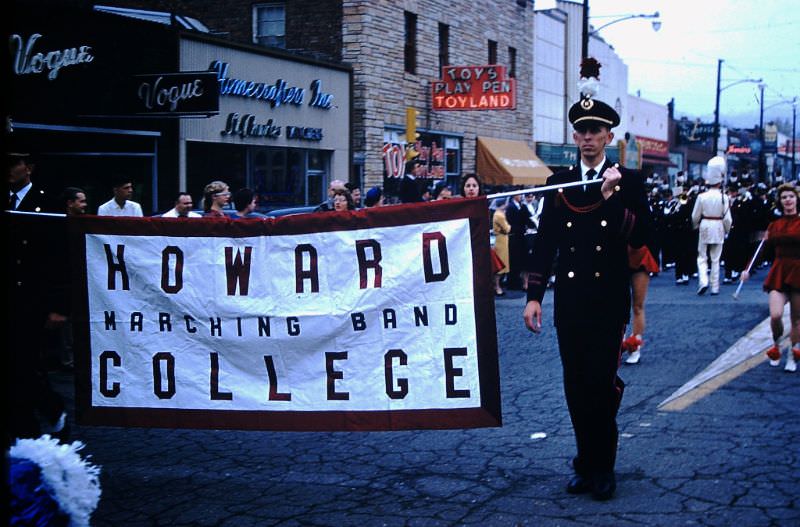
{"x":50,"y":484}
{"x":589,"y":87}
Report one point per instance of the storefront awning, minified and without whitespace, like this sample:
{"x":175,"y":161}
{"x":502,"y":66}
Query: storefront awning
{"x":508,"y":162}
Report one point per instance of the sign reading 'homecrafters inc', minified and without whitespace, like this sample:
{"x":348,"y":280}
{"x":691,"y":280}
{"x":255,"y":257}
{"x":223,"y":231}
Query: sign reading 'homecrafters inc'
{"x":367,"y":320}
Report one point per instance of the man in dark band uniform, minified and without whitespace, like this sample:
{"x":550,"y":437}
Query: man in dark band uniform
{"x":35,"y":408}
{"x":587,"y":230}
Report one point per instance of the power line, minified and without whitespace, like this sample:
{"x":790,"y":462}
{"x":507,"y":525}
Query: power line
{"x":709,"y":65}
{"x":738,"y":29}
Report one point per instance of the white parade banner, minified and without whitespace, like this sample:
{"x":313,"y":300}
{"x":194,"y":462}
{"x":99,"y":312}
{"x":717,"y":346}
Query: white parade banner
{"x":377,"y":319}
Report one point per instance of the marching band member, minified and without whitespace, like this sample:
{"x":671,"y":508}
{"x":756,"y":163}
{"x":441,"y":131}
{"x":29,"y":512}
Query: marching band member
{"x":587,"y":229}
{"x":641,"y":263}
{"x":783,"y":281}
{"x":712,"y":214}
{"x":679,"y":222}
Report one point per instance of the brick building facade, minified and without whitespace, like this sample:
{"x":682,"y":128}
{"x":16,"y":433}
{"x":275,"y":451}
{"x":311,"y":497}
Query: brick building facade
{"x":370,"y":35}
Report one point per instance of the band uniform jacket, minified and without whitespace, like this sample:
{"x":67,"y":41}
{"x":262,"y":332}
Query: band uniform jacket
{"x":35,"y":201}
{"x":712,"y":214}
{"x":587,"y":238}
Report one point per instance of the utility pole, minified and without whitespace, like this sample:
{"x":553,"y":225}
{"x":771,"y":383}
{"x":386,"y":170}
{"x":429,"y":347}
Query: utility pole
{"x":716,"y":109}
{"x":585,"y":34}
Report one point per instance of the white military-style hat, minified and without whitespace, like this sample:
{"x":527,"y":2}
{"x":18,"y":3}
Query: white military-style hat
{"x":715,"y":170}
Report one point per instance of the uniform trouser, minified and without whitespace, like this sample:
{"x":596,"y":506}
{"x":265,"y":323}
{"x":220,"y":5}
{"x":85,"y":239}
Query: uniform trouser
{"x":590,"y":358}
{"x":714,"y":251}
{"x":734,"y":252}
{"x":517,"y":255}
{"x":29,"y":395}
{"x":685,"y":254}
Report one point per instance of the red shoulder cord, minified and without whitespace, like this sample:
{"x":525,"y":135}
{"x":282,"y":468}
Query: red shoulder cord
{"x":576,"y":209}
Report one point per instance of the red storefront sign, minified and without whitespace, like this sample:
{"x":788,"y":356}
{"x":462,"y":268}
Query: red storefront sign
{"x":653,"y":147}
{"x":474,"y":88}
{"x":733,"y":149}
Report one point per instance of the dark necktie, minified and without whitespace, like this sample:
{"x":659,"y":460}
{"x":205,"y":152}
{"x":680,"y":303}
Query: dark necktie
{"x":590,"y":174}
{"x":12,"y":201}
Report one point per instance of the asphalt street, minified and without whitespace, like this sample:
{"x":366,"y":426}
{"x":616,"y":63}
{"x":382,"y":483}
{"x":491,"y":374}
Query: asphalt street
{"x":730,"y":458}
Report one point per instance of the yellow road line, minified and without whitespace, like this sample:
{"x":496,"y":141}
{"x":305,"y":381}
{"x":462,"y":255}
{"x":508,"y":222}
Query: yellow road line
{"x":745,"y":354}
{"x":692,"y":396}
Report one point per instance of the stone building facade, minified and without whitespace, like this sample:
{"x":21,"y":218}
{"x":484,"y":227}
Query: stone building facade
{"x":373,"y":36}
{"x":370,"y":36}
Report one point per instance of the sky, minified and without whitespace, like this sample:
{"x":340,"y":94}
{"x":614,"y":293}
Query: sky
{"x":755,"y":39}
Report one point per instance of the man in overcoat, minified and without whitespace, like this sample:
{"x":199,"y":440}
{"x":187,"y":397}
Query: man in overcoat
{"x":585,"y":230}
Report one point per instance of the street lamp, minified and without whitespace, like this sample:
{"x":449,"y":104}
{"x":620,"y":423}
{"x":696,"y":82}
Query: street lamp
{"x":655,"y":23}
{"x":716,"y":108}
{"x":585,"y":40}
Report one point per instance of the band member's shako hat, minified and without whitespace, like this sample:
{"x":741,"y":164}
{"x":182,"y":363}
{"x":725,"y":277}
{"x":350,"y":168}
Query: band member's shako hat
{"x":591,"y":111}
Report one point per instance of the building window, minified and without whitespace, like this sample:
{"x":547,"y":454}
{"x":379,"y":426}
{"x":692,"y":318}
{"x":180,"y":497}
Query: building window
{"x":512,"y":62}
{"x":269,"y":24}
{"x":444,"y":45}
{"x":411,"y":43}
{"x":492,"y":52}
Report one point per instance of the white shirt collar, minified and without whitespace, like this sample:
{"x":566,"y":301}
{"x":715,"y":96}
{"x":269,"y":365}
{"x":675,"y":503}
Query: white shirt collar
{"x":585,"y":168}
{"x":21,"y":193}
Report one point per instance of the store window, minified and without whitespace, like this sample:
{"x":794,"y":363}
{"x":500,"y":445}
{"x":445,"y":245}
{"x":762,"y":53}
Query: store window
{"x":452,"y":160}
{"x":317,"y":176}
{"x":444,"y":45}
{"x":410,"y":41}
{"x":280,"y":177}
{"x":269,"y":24}
{"x":492,"y":52}
{"x":287,"y":177}
{"x":440,"y":156}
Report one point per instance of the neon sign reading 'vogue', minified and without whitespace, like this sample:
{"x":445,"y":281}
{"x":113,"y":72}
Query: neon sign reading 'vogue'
{"x":26,"y":62}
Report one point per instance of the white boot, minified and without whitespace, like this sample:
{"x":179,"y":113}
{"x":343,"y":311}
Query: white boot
{"x":635,"y":353}
{"x":791,"y":363}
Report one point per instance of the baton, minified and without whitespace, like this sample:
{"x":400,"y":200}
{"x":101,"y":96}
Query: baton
{"x":749,"y":266}
{"x":26,"y":213}
{"x":544,"y":188}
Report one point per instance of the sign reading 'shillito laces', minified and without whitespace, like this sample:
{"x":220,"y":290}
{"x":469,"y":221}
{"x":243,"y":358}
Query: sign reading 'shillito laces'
{"x":376,"y":319}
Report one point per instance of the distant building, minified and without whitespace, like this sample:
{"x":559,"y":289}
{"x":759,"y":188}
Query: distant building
{"x":557,"y":58}
{"x":648,"y":125}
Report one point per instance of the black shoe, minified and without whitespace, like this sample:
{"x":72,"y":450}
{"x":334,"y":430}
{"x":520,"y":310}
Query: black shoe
{"x":603,"y":486}
{"x":579,"y":485}
{"x":702,"y":290}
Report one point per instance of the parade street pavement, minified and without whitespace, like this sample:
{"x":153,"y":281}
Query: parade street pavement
{"x":731,"y":458}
